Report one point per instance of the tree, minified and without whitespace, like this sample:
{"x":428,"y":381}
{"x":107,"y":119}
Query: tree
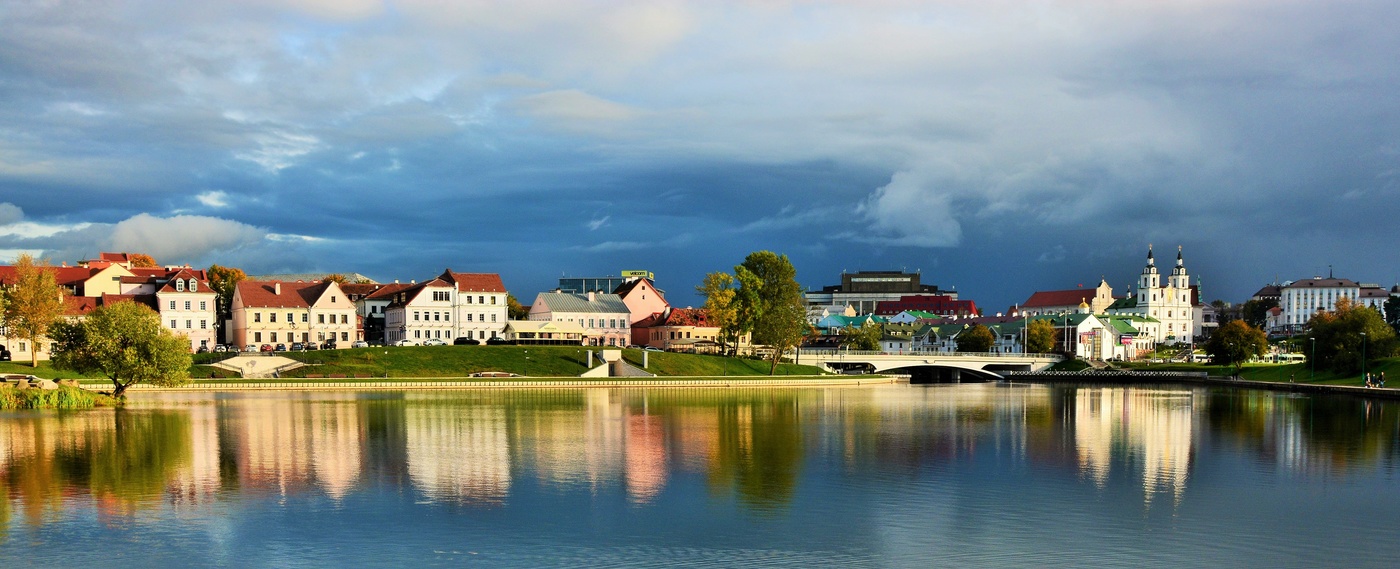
{"x":769,"y":303}
{"x":718,"y":290}
{"x":1392,"y":312}
{"x":1236,"y":342}
{"x":33,"y":304}
{"x":867,"y":337}
{"x":142,"y":260}
{"x":514,"y":310}
{"x":1256,"y":312}
{"x":1344,"y":333}
{"x":125,"y":342}
{"x":1040,"y":337}
{"x":336,"y":278}
{"x":976,"y":338}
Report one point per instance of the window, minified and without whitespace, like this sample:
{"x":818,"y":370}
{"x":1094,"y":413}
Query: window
{"x":493,"y":317}
{"x":187,"y":305}
{"x":274,"y":337}
{"x":320,"y":318}
{"x":179,"y":285}
{"x":203,"y":305}
{"x":332,"y":299}
{"x":447,"y":316}
{"x":172,"y":324}
{"x":289,"y":317}
{"x":481,"y":300}
{"x":172,"y":305}
{"x":305,"y":316}
{"x":415,"y":315}
{"x":189,"y":325}
{"x":469,"y":299}
{"x":194,"y":284}
{"x":272,"y":317}
{"x":345,"y":336}
{"x":344,"y":318}
{"x":257,"y":316}
{"x":493,"y":299}
{"x":417,"y":333}
{"x":437,"y":317}
{"x":257,"y":336}
{"x":469,"y":318}
{"x":203,"y":324}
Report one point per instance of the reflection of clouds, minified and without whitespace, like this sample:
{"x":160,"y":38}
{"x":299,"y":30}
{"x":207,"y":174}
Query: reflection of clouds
{"x":1152,"y":425}
{"x":458,"y":454}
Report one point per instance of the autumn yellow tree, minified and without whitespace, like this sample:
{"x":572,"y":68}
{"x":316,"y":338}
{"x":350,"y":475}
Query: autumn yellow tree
{"x":33,"y":303}
{"x":142,"y":260}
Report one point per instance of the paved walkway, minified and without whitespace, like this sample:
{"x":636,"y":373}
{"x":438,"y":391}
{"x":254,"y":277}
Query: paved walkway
{"x":471,"y":383}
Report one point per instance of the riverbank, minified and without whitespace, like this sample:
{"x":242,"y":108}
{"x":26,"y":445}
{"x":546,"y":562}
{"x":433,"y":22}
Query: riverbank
{"x":520,"y":383}
{"x":1131,"y":377}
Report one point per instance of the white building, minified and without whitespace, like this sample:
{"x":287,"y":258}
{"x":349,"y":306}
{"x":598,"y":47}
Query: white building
{"x":1301,"y":299}
{"x":451,"y":306}
{"x":274,"y":312}
{"x":1172,"y":303}
{"x":603,"y":317}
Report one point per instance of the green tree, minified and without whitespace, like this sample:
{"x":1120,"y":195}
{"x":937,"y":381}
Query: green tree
{"x":33,"y":304}
{"x":224,"y":280}
{"x":976,"y":338}
{"x":125,"y":342}
{"x":1344,"y":333}
{"x":769,"y":303}
{"x":1236,"y":342}
{"x":867,"y":337}
{"x":718,"y":290}
{"x":514,"y":310}
{"x":1256,"y":312}
{"x":1040,"y":337}
{"x":1392,"y":312}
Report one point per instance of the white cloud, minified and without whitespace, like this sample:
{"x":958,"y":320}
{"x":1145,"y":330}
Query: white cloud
{"x":597,"y":222}
{"x":10,"y":213}
{"x":213,"y":198}
{"x":182,"y":237}
{"x":277,"y":150}
{"x":910,"y":211}
{"x":573,"y":107}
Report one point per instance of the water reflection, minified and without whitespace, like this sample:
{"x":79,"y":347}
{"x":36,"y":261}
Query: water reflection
{"x":753,"y":448}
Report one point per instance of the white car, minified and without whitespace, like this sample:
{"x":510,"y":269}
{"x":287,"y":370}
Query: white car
{"x":360,"y":344}
{"x":405,"y":342}
{"x":434,"y":342}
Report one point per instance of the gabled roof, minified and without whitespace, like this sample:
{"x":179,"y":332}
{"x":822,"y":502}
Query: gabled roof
{"x":387,"y":291}
{"x":474,"y":282}
{"x":687,"y":317}
{"x":411,"y":293}
{"x":185,"y":275}
{"x":623,"y":289}
{"x":262,"y":294}
{"x":64,"y":276}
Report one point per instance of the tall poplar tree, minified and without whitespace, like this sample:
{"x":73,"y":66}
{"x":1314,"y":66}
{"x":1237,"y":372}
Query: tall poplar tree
{"x":33,"y":304}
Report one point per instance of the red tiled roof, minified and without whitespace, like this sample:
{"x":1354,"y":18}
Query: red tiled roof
{"x":294,"y":295}
{"x":387,"y":291}
{"x":474,"y":282}
{"x":65,"y":276}
{"x":687,"y":317}
{"x":1071,"y":297}
{"x":114,"y":257}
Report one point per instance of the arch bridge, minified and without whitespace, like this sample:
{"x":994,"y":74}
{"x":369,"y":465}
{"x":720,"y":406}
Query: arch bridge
{"x":929,"y":366}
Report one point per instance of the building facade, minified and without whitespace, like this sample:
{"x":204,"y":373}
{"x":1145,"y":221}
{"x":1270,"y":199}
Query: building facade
{"x":274,"y":312}
{"x":864,"y":290}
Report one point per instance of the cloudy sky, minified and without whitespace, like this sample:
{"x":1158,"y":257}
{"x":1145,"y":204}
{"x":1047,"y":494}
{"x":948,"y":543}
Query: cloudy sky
{"x":998,"y":147}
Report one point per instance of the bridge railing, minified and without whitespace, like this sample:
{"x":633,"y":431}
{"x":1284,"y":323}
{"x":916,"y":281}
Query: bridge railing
{"x":922,"y":352}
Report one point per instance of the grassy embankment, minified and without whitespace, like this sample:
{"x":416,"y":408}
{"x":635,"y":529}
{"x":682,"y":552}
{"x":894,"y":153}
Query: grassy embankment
{"x":1300,"y":373}
{"x":61,"y":398}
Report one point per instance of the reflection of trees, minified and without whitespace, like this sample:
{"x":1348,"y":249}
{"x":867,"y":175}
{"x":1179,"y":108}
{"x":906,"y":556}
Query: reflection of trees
{"x":759,"y":451}
{"x":1306,"y":433}
{"x":124,"y":458}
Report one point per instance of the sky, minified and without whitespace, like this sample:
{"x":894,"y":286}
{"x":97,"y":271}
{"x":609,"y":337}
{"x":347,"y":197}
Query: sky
{"x":998,"y":148}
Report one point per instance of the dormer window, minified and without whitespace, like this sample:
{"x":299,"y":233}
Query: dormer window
{"x":194,"y":284}
{"x":179,"y":285}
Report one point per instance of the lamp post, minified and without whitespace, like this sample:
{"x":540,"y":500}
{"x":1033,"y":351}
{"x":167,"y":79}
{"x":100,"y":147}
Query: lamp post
{"x":1232,"y":359}
{"x":1312,"y":359}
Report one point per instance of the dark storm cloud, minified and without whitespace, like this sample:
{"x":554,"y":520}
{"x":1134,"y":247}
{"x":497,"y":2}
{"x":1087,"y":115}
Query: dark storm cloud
{"x":999,"y":149}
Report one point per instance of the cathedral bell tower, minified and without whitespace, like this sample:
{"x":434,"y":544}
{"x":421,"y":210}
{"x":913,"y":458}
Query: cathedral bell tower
{"x":1150,"y":279}
{"x":1180,"y":280}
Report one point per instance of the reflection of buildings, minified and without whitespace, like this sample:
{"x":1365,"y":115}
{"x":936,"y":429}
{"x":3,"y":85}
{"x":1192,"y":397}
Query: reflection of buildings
{"x":196,"y":484}
{"x":1153,"y":426}
{"x":458,"y":453}
{"x":288,"y":445}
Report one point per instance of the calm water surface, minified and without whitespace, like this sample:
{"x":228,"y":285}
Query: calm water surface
{"x":894,"y":476}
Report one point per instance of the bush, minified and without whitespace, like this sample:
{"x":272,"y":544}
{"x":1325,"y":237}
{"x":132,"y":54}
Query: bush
{"x":61,"y":398}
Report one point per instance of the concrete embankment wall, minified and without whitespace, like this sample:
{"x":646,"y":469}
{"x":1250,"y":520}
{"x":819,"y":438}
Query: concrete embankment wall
{"x":1155,"y":377}
{"x":427,"y":383}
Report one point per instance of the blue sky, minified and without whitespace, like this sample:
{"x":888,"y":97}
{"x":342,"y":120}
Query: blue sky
{"x":998,"y":147}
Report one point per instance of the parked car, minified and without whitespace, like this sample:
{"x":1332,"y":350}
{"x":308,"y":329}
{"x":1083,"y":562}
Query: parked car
{"x":202,"y":350}
{"x":405,"y":342}
{"x":434,"y":342}
{"x":280,"y":348}
{"x":497,"y":341}
{"x":465,"y":341}
{"x":218,"y":348}
{"x":250,"y":348}
{"x":328,"y":346}
{"x":265,"y":348}
{"x":359,"y":344}
{"x":311,"y":346}
{"x":298,"y":346}
{"x":653,"y":349}
{"x":4,"y":355}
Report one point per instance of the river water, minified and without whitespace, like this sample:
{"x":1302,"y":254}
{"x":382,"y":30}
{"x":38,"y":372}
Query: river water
{"x":976,"y":475}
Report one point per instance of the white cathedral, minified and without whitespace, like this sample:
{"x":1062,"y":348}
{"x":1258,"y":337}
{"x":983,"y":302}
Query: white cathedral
{"x":1170,"y":303}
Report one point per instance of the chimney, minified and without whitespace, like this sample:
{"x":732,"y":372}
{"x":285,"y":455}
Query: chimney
{"x":277,"y":289}
{"x":592,"y":296}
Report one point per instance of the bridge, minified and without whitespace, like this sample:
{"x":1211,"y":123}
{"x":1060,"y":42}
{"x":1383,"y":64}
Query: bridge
{"x":929,"y":366}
